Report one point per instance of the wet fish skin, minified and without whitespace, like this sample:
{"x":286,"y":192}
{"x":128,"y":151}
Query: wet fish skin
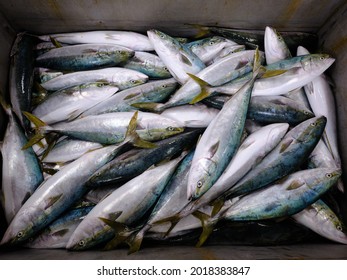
{"x":68,"y":150}
{"x":287,"y":197}
{"x":68,"y":103}
{"x":110,"y":128}
{"x":179,"y":59}
{"x":148,"y":64}
{"x":321,"y":219}
{"x":135,"y":161}
{"x":219,"y":143}
{"x":131,"y":200}
{"x":293,"y":78}
{"x":120,"y":77}
{"x":17,"y":189}
{"x":132,"y":40}
{"x":58,"y":233}
{"x":273,"y":109}
{"x":288,"y":155}
{"x":206,"y":49}
{"x":197,"y":115}
{"x":84,"y":57}
{"x":21,"y":75}
{"x":55,"y":195}
{"x":274,"y":46}
{"x":155,"y":91}
{"x":251,"y":151}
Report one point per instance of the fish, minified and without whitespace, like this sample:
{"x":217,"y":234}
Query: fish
{"x":252,"y":150}
{"x":171,"y":201}
{"x":148,"y":64}
{"x":84,"y":57}
{"x":273,"y":109}
{"x":268,"y":109}
{"x":220,"y":141}
{"x":57,"y":234}
{"x":274,"y":46}
{"x":132,"y":200}
{"x":255,"y":38}
{"x":153,"y":91}
{"x":321,"y":219}
{"x":17,"y":189}
{"x":136,"y":161}
{"x":285,"y":158}
{"x":229,"y":49}
{"x":276,"y":50}
{"x":322,"y":102}
{"x":68,"y":149}
{"x":206,"y":49}
{"x":199,"y":87}
{"x":60,"y":191}
{"x":179,"y":59}
{"x":109,"y":128}
{"x":21,"y":76}
{"x":128,"y":39}
{"x":281,"y":199}
{"x":68,"y":103}
{"x":293,"y":78}
{"x":120,"y":77}
{"x":195,"y":116}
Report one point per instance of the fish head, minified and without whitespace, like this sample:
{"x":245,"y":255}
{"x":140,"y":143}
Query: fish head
{"x":161,"y":41}
{"x":331,"y":226}
{"x":316,"y":63}
{"x":275,"y":46}
{"x":88,"y":234}
{"x":159,"y":128}
{"x":311,"y":129}
{"x":19,"y":230}
{"x":130,"y":78}
{"x":200,"y":179}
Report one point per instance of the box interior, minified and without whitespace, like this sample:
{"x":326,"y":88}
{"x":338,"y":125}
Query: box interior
{"x":328,"y":19}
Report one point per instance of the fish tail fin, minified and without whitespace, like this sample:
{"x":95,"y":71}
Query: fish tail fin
{"x":49,"y":148}
{"x":202,"y":31}
{"x":173,"y":220}
{"x":55,"y":42}
{"x":205,"y":89}
{"x":149,"y":106}
{"x":217,"y":206}
{"x":134,"y":138}
{"x":35,"y":120}
{"x":207,"y":226}
{"x":40,"y":127}
{"x":122,"y":233}
{"x":135,"y":242}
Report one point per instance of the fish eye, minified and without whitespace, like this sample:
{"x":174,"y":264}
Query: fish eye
{"x":339,"y":228}
{"x":31,"y":239}
{"x":211,"y":43}
{"x":166,"y":69}
{"x":199,"y":184}
{"x":81,"y":243}
{"x":161,"y":36}
{"x":313,"y":124}
{"x":306,"y":112}
{"x":20,"y":234}
{"x":133,"y":81}
{"x":163,"y":86}
{"x":170,"y":128}
{"x":321,"y":58}
{"x":329,"y":175}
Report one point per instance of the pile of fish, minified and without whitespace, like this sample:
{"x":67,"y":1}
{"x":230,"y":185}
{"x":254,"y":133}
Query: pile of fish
{"x":114,"y":137}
